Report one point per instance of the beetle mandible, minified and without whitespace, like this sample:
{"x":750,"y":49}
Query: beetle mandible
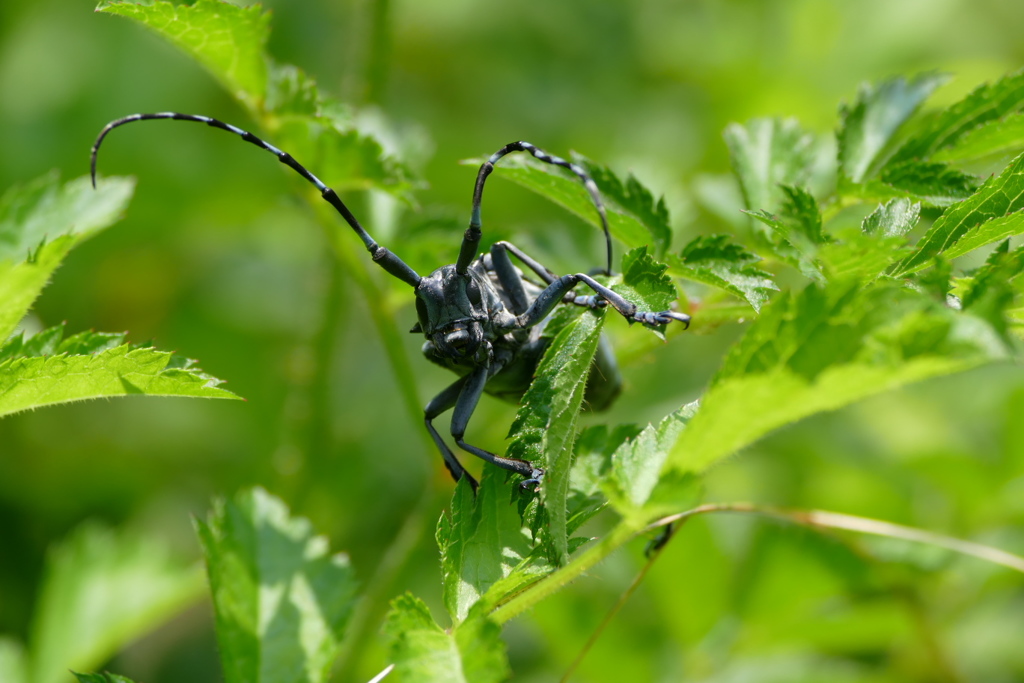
{"x":481,"y":317}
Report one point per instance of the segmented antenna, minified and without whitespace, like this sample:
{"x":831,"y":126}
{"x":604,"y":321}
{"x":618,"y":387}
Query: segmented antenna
{"x":386,"y":259}
{"x":474,"y":233}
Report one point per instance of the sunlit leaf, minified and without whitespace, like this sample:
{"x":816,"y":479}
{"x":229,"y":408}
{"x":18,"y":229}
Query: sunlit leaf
{"x":861,"y":256}
{"x":101,"y":590}
{"x":999,"y":196}
{"x":343,"y":157}
{"x":483,"y":545}
{"x":934,"y":183}
{"x":646,"y":284}
{"x":40,"y":222}
{"x":545,"y":425}
{"x":867,"y":127}
{"x":637,"y":463}
{"x":101,"y":678}
{"x":281,"y":599}
{"x":33,"y":381}
{"x":986,"y":233}
{"x":989,"y":291}
{"x":766,"y":154}
{"x":894,"y":218}
{"x":790,"y":243}
{"x":423,"y":652}
{"x":963,"y":119}
{"x":292,"y":92}
{"x":712,"y":260}
{"x":632,"y":198}
{"x":634,"y":217}
{"x":823,"y":349}
{"x":989,"y":139}
{"x":226,"y":39}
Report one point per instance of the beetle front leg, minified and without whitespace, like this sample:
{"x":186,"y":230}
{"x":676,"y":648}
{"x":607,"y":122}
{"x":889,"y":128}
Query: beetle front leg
{"x":464,"y":407}
{"x":513,"y":284}
{"x":555,"y":292}
{"x":442,"y":402}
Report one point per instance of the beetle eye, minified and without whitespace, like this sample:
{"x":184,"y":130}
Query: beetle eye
{"x":473,"y":291}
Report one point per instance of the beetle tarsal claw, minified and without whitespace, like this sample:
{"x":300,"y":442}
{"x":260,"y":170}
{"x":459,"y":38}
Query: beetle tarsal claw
{"x":536,"y":475}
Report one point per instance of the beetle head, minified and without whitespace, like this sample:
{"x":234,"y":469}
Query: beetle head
{"x":452,"y":312}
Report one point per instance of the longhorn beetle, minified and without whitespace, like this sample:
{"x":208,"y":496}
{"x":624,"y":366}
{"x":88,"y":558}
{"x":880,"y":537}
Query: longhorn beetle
{"x":481,"y":317}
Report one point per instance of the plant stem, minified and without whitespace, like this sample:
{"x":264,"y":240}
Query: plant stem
{"x":357,"y":267}
{"x":556,"y":581}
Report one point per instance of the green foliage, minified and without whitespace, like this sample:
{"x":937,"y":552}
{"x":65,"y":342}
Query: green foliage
{"x":226,"y":39}
{"x":634,"y":216}
{"x":101,"y":589}
{"x":281,"y":599}
{"x":545,"y":426}
{"x":712,"y":260}
{"x":467,"y":537}
{"x":766,"y":155}
{"x":43,"y":370}
{"x":845,"y":301}
{"x":423,"y":652}
{"x":40,"y":222}
{"x":101,"y":678}
{"x":869,"y":126}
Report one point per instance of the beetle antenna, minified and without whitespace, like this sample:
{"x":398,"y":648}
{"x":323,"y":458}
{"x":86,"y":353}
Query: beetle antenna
{"x":385,"y":258}
{"x":471,"y":239}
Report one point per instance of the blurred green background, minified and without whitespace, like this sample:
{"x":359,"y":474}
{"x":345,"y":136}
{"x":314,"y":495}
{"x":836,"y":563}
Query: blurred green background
{"x":217,"y":260}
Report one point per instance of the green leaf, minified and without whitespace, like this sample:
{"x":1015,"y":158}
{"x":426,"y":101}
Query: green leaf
{"x":545,"y":425}
{"x":632,"y":198}
{"x":51,"y":341}
{"x":424,"y":653}
{"x":988,"y":292}
{"x":483,"y":545}
{"x":101,"y":678}
{"x":634,"y":217}
{"x":637,"y":463}
{"x":226,"y":39}
{"x":861,"y":256}
{"x":711,"y":260}
{"x":983,"y":105}
{"x":933,"y":183}
{"x":31,"y":382}
{"x":645,"y":283}
{"x":766,"y":154}
{"x":989,"y":139}
{"x":791,"y":244}
{"x":867,"y":128}
{"x":864,"y":254}
{"x":344,"y":158}
{"x":986,"y":233}
{"x":292,"y":92}
{"x":280,"y":598}
{"x":13,"y":661}
{"x":998,"y":197}
{"x":823,"y":349}
{"x":895,"y":218}
{"x":101,"y":590}
{"x":40,"y":222}
{"x":803,"y":214}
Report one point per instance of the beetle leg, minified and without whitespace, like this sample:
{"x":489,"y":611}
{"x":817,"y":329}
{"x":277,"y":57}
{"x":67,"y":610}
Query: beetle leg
{"x":510,"y":281}
{"x":464,"y":407}
{"x":442,"y":402}
{"x":551,"y":296}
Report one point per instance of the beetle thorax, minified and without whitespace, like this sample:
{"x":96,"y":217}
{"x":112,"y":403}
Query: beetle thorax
{"x":456,"y":311}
